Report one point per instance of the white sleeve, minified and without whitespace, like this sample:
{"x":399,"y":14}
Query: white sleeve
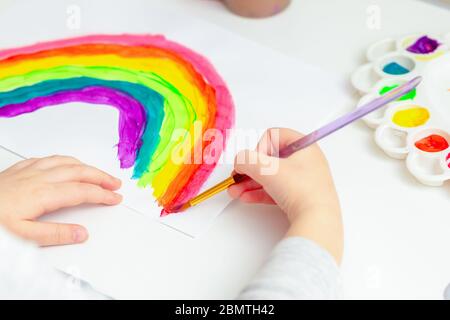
{"x":297,"y":269}
{"x":24,"y":274}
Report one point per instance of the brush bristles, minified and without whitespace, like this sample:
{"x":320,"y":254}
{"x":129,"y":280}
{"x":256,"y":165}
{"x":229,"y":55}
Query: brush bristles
{"x":175,"y":209}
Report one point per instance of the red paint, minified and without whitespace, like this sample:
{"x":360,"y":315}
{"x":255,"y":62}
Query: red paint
{"x":448,"y":158}
{"x":432,"y":143}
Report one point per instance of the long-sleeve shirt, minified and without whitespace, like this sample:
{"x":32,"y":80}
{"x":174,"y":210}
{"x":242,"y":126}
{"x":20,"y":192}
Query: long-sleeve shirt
{"x":297,"y":269}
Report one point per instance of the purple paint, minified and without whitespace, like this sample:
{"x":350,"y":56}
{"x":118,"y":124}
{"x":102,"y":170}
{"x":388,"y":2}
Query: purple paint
{"x":424,"y":45}
{"x":132,"y":117}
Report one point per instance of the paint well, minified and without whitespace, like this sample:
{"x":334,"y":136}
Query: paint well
{"x":412,"y":117}
{"x":409,"y":96}
{"x":432,"y":143}
{"x":395,"y":68}
{"x":424,"y":45}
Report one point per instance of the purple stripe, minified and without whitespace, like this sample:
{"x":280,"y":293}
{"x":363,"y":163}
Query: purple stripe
{"x":132,"y":116}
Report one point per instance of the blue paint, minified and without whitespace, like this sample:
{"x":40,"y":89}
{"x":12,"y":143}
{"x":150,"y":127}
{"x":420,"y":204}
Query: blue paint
{"x":395,"y":69}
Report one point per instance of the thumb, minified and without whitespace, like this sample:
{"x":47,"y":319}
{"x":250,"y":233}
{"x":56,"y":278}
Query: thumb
{"x":258,"y":166}
{"x":52,"y":234}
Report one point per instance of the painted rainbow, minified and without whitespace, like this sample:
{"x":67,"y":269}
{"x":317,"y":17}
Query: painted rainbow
{"x":157,"y":86}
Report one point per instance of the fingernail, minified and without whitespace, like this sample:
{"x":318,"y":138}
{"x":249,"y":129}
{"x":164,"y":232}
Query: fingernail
{"x":115,"y":182}
{"x":79,"y":235}
{"x":117,"y":197}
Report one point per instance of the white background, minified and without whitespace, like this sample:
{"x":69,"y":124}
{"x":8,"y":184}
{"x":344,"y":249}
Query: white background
{"x":397,"y":235}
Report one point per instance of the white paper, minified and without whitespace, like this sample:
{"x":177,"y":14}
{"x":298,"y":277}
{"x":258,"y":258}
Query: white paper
{"x":267,"y":88}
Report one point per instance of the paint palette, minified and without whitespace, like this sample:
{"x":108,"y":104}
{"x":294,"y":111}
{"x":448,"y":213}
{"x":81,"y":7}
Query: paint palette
{"x":416,"y":127}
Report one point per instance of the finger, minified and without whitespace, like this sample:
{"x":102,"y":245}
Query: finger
{"x":237,"y":189}
{"x":22,"y":165}
{"x":256,"y":196}
{"x":83,"y":174}
{"x":275,"y":139}
{"x":51,"y":234}
{"x":248,"y":184}
{"x":63,"y":195}
{"x":258,"y":166}
{"x":54,"y":161}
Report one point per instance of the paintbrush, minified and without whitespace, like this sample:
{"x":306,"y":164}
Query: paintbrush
{"x":311,"y":138}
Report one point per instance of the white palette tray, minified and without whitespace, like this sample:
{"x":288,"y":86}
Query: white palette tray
{"x":417,"y":126}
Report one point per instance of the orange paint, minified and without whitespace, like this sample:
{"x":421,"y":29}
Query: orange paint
{"x":432,"y":143}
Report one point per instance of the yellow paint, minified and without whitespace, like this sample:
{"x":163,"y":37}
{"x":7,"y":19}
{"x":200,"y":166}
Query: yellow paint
{"x":412,"y":117}
{"x":430,"y":56}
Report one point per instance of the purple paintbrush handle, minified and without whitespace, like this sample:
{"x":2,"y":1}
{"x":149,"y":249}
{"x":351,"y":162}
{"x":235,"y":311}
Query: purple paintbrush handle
{"x":337,"y":124}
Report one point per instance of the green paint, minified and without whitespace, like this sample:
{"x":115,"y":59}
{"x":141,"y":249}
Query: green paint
{"x":409,"y":96}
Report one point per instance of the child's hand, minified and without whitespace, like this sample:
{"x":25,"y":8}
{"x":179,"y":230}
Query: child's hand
{"x":34,"y":187}
{"x":301,"y":185}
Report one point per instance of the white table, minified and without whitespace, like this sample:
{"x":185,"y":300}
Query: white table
{"x":397,"y":231}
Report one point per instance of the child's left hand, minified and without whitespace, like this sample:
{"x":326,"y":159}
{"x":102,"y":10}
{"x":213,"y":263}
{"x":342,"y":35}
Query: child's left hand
{"x":34,"y":187}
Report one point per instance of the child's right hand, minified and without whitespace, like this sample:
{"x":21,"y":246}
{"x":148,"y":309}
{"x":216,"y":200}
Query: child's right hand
{"x":34,"y":187}
{"x":301,"y":185}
